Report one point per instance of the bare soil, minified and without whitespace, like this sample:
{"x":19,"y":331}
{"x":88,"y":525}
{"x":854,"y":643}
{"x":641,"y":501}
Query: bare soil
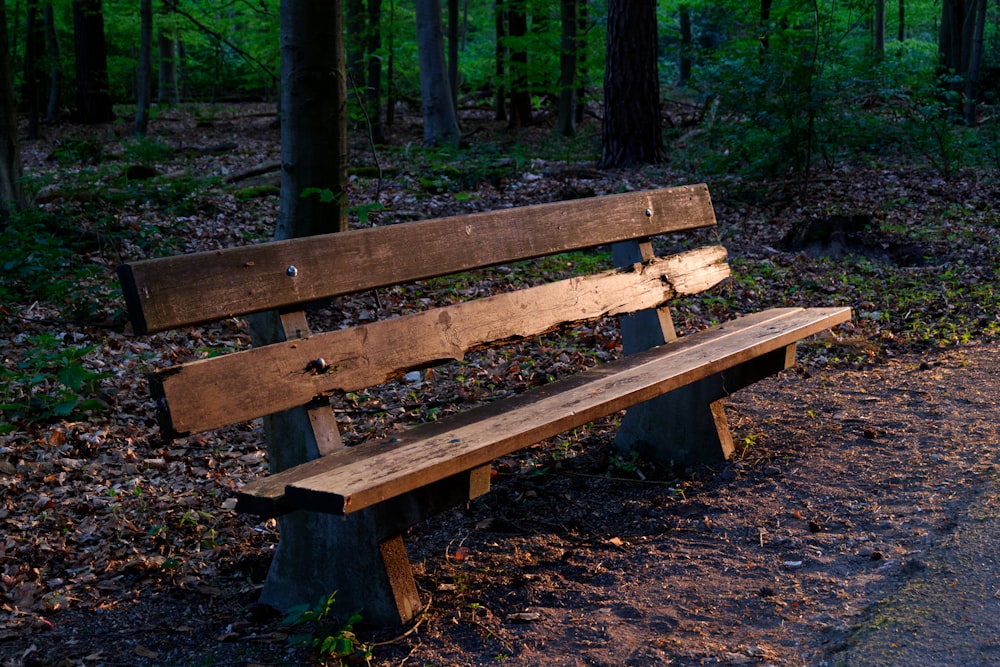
{"x":848,"y":477}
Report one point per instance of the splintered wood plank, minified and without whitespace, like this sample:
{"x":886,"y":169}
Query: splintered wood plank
{"x":236,"y":387}
{"x":191,"y":289}
{"x":357,"y":477}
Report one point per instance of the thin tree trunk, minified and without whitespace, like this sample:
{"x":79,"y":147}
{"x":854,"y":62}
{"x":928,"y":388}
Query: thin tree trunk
{"x":52,"y":44}
{"x":567,"y":66}
{"x":373,"y":96}
{"x":11,"y":195}
{"x":453,"y":38}
{"x":168,"y":91}
{"x":684,"y":18}
{"x":33,"y":67}
{"x":901,"y":35}
{"x":145,"y":67}
{"x":500,"y":71}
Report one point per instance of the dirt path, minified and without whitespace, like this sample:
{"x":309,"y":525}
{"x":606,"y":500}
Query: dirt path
{"x":853,"y":489}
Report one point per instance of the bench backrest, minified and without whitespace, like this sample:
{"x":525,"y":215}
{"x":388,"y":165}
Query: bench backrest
{"x":192,"y":289}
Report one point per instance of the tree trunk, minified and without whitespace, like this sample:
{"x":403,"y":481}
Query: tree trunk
{"x":144,"y":86}
{"x":167,"y":47}
{"x":878,"y":32}
{"x":52,"y":43}
{"x":440,"y":122}
{"x":33,"y":52}
{"x":520,"y":93}
{"x":975,"y":61}
{"x":583,"y":27}
{"x":632,"y":131}
{"x":765,"y":25}
{"x":373,"y":91}
{"x":317,"y":553}
{"x":453,"y":38}
{"x":684,"y":18}
{"x":11,"y":195}
{"x":901,"y":35}
{"x":314,"y":124}
{"x":567,"y":66}
{"x":500,"y":71}
{"x":93,"y":96}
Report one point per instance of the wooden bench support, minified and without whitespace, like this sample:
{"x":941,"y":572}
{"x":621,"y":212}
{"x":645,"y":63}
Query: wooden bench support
{"x":688,"y":425}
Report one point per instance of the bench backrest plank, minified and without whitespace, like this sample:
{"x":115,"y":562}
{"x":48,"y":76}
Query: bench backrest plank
{"x":201,"y":287}
{"x":236,"y":387}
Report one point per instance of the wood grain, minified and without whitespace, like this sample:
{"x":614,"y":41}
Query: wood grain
{"x":365,"y":475}
{"x":236,"y":387}
{"x":171,"y":292}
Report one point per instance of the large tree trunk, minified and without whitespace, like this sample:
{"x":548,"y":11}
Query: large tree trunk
{"x":314,"y":120}
{"x":878,"y":31}
{"x":440,"y":121}
{"x":453,"y":33}
{"x":93,"y":96}
{"x":11,"y":196}
{"x":144,"y":85}
{"x":632,"y":131}
{"x":317,"y":554}
{"x":567,"y":67}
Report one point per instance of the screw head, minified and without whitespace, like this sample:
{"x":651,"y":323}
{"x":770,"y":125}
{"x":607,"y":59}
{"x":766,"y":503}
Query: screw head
{"x":291,"y":271}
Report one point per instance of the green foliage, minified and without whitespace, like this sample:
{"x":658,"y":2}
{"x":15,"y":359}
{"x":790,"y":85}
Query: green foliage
{"x":324,"y":633}
{"x":51,"y":382}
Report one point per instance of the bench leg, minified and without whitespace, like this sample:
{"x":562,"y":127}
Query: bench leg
{"x":688,"y":425}
{"x":344,"y":554}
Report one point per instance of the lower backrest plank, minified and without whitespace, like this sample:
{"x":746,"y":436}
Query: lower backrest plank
{"x":365,"y":475}
{"x":236,"y":387}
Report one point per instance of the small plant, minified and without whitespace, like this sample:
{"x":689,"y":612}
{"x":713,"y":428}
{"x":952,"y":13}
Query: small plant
{"x":50,"y":383}
{"x":330,"y":639}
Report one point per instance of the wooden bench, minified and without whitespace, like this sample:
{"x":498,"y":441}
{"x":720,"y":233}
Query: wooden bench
{"x":343,"y":513}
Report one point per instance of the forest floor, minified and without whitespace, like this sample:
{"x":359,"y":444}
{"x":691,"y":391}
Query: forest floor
{"x":852,"y":471}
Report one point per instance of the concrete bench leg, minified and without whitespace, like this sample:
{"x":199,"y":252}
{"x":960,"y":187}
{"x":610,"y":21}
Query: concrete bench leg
{"x":688,"y":426}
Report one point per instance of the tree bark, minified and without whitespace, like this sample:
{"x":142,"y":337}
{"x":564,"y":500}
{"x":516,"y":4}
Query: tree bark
{"x":632,"y":130}
{"x":33,"y":53}
{"x":975,"y":61}
{"x":684,"y":19}
{"x":520,"y":93}
{"x":440,"y":121}
{"x":93,"y":96}
{"x":878,"y":31}
{"x":167,"y":48}
{"x":144,"y":85}
{"x":453,"y":38}
{"x":500,"y":53}
{"x":52,"y":43}
{"x":11,"y":195}
{"x":567,"y":66}
{"x":373,"y":91}
{"x":314,"y":120}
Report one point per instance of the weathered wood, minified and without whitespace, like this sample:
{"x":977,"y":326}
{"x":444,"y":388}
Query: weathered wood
{"x":236,"y":387}
{"x":191,"y":289}
{"x":362,"y":476}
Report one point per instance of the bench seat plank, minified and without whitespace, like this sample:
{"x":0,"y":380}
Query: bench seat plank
{"x":184,"y":290}
{"x":357,"y":477}
{"x":236,"y":387}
